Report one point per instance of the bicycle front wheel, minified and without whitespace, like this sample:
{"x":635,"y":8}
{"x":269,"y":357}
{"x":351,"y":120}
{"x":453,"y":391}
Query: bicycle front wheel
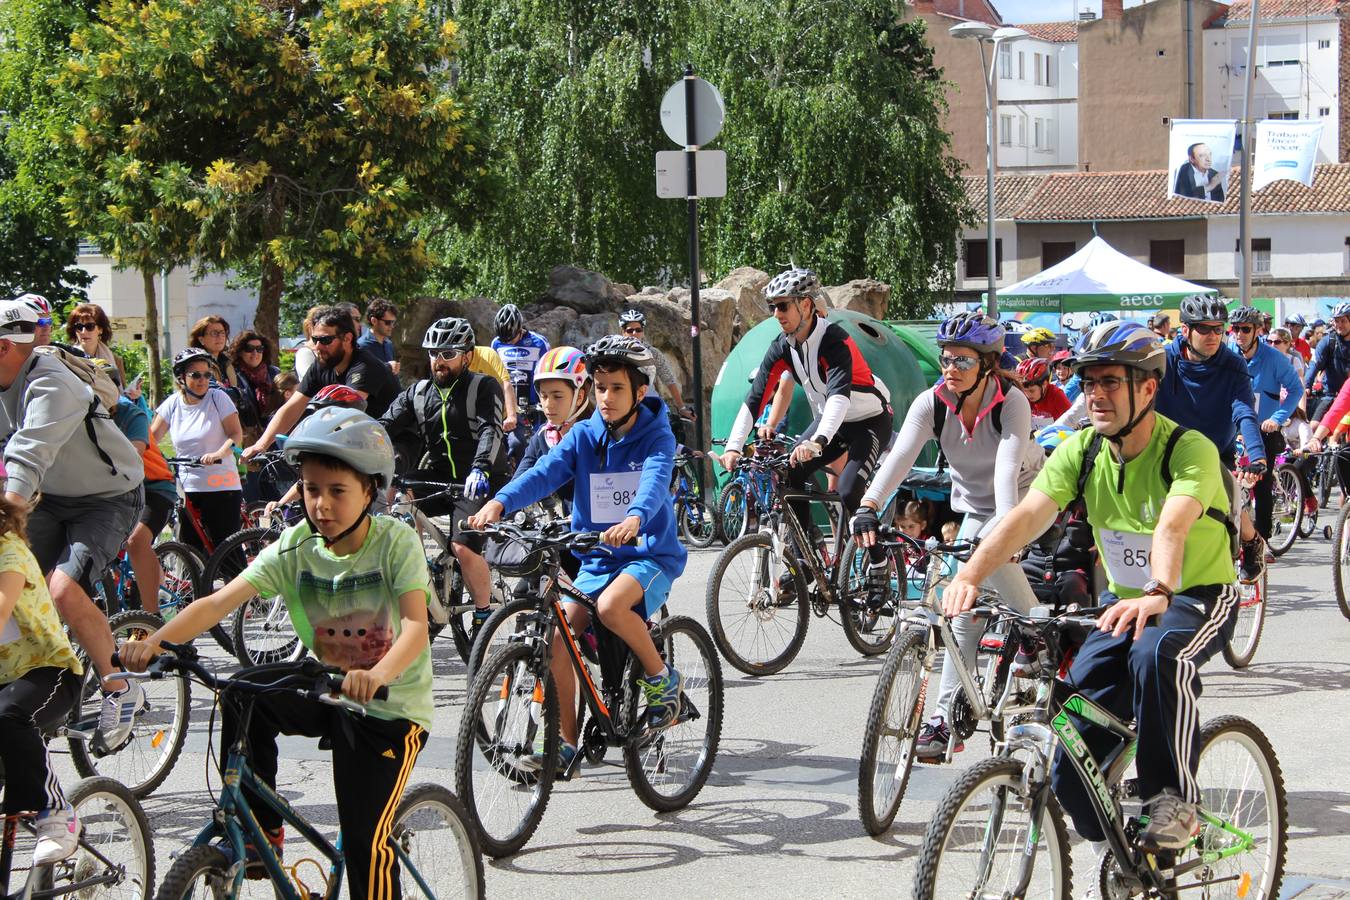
{"x":115,"y":858}
{"x":1249,"y":618}
{"x":263,"y":633}
{"x":734,"y":514}
{"x":497,"y":630}
{"x":1340,"y":561}
{"x":182,"y":572}
{"x":869,"y":619}
{"x":893,"y":722}
{"x":1288,"y":509}
{"x":229,"y":559}
{"x":201,"y":872}
{"x":975,"y":846}
{"x":698,"y":526}
{"x":147,"y":754}
{"x":433,"y":834}
{"x":668,"y":768}
{"x":512,"y":714}
{"x":1241,"y":790}
{"x":757,"y":606}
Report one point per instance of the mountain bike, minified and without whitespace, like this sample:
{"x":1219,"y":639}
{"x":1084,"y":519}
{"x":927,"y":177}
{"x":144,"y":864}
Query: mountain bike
{"x":896,"y":711}
{"x":749,"y":492}
{"x":1290,"y":500}
{"x":697,"y":519}
{"x":118,"y":590}
{"x":431,"y":840}
{"x":1249,"y":618}
{"x":765,"y":586}
{"x":512,"y":710}
{"x":998,"y":831}
{"x":115,"y":857}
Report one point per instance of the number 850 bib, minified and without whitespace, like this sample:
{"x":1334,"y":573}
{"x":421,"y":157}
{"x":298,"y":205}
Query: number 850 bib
{"x":1128,"y":557}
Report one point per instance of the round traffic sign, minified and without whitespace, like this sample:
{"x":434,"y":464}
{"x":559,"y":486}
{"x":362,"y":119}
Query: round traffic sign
{"x":709,"y":113}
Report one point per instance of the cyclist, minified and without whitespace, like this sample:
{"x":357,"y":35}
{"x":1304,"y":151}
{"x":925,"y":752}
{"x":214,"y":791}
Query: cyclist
{"x":1063,"y":371}
{"x":1331,"y":360}
{"x":520,"y":350}
{"x":1277,"y":390}
{"x":334,"y":395}
{"x":1047,"y":401}
{"x":1160,"y":323}
{"x":39,"y":685}
{"x":983,"y":427}
{"x":59,"y":440}
{"x":161,"y":495}
{"x":633,"y":323}
{"x":1296,"y":323}
{"x":39,"y":305}
{"x":853,"y":416}
{"x":620,"y":460}
{"x":1169,"y":570}
{"x":1098,"y":318}
{"x":1040,"y":343}
{"x":457,"y":414}
{"x":356,"y":588}
{"x":338,"y":361}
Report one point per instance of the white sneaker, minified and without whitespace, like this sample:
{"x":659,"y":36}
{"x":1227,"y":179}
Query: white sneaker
{"x":119,"y":712}
{"x":58,"y":834}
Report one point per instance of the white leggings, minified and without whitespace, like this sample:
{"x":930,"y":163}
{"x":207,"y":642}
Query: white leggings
{"x":1013,"y":589}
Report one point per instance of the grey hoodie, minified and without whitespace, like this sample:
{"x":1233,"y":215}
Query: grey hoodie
{"x":46,"y":443}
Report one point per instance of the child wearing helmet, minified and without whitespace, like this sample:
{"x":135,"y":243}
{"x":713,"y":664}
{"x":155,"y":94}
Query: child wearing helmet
{"x":564,"y":394}
{"x":1040,"y":343}
{"x":356,"y":588}
{"x":1048,"y":402}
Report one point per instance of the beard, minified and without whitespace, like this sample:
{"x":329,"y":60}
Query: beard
{"x":442,"y":377}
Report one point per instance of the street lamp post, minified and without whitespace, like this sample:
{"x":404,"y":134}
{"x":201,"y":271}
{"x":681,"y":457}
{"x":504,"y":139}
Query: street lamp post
{"x":985,"y":33}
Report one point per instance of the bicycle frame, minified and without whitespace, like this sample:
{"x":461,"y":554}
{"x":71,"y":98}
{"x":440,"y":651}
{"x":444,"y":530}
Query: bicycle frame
{"x":783,"y":511}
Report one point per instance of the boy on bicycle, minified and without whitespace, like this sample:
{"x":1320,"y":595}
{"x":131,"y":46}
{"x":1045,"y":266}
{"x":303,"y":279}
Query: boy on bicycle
{"x":356,"y":589}
{"x":620,"y":461}
{"x":1170,"y":571}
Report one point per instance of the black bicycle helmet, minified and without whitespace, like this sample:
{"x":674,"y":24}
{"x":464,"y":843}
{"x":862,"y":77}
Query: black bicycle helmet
{"x":184,"y":358}
{"x":510,"y":322}
{"x":1203,"y":308}
{"x":623,"y":350}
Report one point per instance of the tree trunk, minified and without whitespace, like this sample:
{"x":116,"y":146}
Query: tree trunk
{"x":266,"y":321}
{"x":152,"y":335}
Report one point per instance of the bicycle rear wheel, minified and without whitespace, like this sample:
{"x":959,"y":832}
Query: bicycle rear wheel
{"x":668,"y":768}
{"x":229,"y":559}
{"x":1249,"y":618}
{"x":1241,"y":786}
{"x":757,"y":606}
{"x":1340,"y":561}
{"x":869,"y":621}
{"x":263,"y":633}
{"x":733,"y":512}
{"x":893,"y":722}
{"x":115,"y":849}
{"x":698,"y":526}
{"x":511,"y":707}
{"x":182,"y":572}
{"x":432,"y":831}
{"x":976,"y":842}
{"x":146,"y":757}
{"x":1288,"y":509}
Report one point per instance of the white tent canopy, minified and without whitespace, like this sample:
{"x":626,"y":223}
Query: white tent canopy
{"x":1097,"y":278}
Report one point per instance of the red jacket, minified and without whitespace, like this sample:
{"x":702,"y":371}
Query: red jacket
{"x":1053,"y":403}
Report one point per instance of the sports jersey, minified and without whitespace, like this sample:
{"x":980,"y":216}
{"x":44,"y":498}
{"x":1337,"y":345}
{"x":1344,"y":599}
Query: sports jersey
{"x":1213,"y":396}
{"x":1123,"y":522}
{"x":33,"y":637}
{"x":365,"y":372}
{"x":486,"y":361}
{"x":459,"y":425}
{"x":134,"y":422}
{"x":520,"y":357}
{"x":345,"y":609}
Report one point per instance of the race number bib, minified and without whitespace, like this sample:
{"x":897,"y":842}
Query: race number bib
{"x":1128,"y":557}
{"x":611,"y":495}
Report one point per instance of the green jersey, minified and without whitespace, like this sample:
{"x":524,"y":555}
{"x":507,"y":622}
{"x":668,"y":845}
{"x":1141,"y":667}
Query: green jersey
{"x":1123,"y":522}
{"x":345,"y":609}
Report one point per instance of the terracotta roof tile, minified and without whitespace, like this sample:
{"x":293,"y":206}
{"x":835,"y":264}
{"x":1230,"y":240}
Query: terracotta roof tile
{"x":1054,"y":32}
{"x":1102,"y":196}
{"x":1241,"y":11}
{"x":1011,"y":193}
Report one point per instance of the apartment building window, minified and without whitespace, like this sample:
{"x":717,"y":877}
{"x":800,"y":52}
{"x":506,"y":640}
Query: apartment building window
{"x":1260,"y":255}
{"x":1021,"y":131}
{"x":1049,"y":70}
{"x":1324,"y":43}
{"x":977,"y":258}
{"x":1167,"y":256}
{"x":1055,"y":252}
{"x":1287,"y":114}
{"x":1323,"y":112}
{"x":1278,"y":63}
{"x":1040,"y":72}
{"x":1005,"y":62}
{"x":1037,"y":129}
{"x":1005,"y":129}
{"x":1021,"y":66}
{"x":1345,"y":258}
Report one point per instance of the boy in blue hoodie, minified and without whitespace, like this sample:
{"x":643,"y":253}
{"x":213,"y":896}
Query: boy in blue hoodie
{"x":620,"y":460}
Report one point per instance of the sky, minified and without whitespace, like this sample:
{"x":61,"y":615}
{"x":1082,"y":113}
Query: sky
{"x":1048,"y":10}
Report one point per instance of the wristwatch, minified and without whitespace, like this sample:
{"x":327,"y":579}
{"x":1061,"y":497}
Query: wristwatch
{"x":1154,"y":586}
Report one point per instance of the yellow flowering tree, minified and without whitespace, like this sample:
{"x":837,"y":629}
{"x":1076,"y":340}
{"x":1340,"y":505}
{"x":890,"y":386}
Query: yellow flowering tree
{"x":290,"y":140}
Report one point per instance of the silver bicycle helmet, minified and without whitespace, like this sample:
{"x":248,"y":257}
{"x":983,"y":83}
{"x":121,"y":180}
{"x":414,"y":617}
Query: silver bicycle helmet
{"x":632,"y":315}
{"x":184,"y":358}
{"x":623,"y":350}
{"x":346,"y":434}
{"x":793,"y":283}
{"x":449,"y":334}
{"x":510,"y":322}
{"x":1246,"y":315}
{"x":1341,"y":309}
{"x":1203,"y":308}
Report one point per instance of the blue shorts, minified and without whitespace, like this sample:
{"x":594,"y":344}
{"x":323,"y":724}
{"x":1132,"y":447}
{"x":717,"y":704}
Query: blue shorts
{"x":655,"y":584}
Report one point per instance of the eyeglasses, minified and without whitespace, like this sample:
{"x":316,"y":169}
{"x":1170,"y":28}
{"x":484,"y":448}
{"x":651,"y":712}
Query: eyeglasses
{"x":1243,"y":329}
{"x":253,"y":348}
{"x":390,"y":322}
{"x":85,"y":326}
{"x":215,"y":332}
{"x":323,"y":340}
{"x":1109,"y":385}
{"x":959,"y":363}
{"x":632,"y":331}
{"x":1278,"y":341}
{"x":779,"y":307}
{"x":1207,"y":329}
{"x":447,"y":355}
{"x":197,"y":376}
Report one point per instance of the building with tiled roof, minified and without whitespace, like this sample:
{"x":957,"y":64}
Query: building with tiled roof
{"x":1052,"y":32}
{"x":1275,"y":10}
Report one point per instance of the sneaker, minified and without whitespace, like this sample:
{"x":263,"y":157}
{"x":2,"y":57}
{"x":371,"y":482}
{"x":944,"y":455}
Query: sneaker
{"x":933,"y":739}
{"x":253,"y":864}
{"x":58,"y":834}
{"x":1027,"y":661}
{"x":120,"y":709}
{"x":1172,"y":823}
{"x":566,"y":753}
{"x":480,"y":617}
{"x":1310,"y":506}
{"x":663,"y":698}
{"x":1252,"y":561}
{"x":787,"y":589}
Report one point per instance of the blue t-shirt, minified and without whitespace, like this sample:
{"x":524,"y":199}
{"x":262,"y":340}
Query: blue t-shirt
{"x":383,"y":349}
{"x":134,"y":422}
{"x":520,"y":357}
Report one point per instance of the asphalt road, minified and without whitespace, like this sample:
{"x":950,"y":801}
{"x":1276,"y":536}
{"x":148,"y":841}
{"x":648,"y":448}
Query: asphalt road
{"x":779,"y":815}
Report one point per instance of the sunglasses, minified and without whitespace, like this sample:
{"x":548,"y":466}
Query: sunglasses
{"x":1278,"y":341}
{"x":1243,"y":329}
{"x":85,"y":326}
{"x":1207,"y":329}
{"x":253,"y":348}
{"x":45,"y":322}
{"x":632,"y":331}
{"x":390,"y":322}
{"x":197,"y":376}
{"x":447,"y":355}
{"x":780,"y":307}
{"x":959,"y":363}
{"x":1109,"y":385}
{"x":323,"y":340}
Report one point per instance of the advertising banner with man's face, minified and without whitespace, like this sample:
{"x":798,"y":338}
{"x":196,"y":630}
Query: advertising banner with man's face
{"x":1285,"y":150}
{"x":1199,"y":158}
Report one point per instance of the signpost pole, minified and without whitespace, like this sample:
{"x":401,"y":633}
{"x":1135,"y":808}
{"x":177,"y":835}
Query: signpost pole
{"x":691,"y":156}
{"x":1245,"y":201}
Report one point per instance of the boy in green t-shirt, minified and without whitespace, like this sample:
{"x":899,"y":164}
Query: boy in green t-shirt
{"x":356,"y":589}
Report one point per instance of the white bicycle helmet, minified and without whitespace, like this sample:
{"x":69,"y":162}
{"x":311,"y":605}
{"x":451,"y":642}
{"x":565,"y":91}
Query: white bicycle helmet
{"x":449,"y":333}
{"x":793,"y":283}
{"x":346,"y":434}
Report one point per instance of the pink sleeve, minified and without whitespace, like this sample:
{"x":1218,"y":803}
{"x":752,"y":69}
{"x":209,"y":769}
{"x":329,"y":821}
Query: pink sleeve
{"x":1339,"y":407}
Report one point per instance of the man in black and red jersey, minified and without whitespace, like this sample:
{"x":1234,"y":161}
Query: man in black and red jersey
{"x":852,"y":406}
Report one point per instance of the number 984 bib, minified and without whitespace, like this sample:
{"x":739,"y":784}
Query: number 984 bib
{"x":611,"y":495}
{"x":1128,"y":557}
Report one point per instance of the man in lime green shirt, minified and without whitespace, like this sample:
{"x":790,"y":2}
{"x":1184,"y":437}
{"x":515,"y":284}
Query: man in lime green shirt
{"x":1157,"y":503}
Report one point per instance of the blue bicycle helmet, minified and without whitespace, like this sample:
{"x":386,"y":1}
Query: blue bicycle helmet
{"x":975,"y":330}
{"x":1099,"y":318}
{"x":1295,"y":319}
{"x":1342,"y":309}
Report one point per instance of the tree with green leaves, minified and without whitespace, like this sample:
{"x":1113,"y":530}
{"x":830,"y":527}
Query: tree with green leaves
{"x":295,"y":139}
